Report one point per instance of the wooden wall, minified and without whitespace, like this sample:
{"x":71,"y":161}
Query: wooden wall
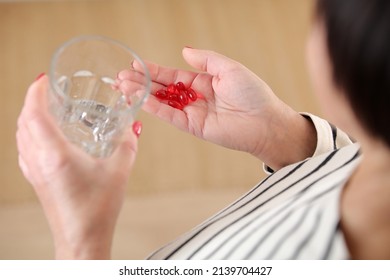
{"x":268,"y":36}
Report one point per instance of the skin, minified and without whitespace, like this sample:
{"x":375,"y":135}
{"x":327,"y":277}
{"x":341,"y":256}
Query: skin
{"x":82,"y":196}
{"x":234,"y":101}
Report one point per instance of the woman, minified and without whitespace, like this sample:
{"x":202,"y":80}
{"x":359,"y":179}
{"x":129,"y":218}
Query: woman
{"x":327,"y":198}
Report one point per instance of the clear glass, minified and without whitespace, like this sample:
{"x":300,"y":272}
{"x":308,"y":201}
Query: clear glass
{"x":84,"y":98}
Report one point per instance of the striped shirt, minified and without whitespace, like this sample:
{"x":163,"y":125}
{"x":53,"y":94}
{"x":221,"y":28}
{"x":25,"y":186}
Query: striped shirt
{"x":293,"y":213}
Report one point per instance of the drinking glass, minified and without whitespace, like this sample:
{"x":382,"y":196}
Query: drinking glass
{"x":84,"y":98}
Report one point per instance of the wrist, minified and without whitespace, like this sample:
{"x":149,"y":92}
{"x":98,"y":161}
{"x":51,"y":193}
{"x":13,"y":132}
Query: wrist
{"x":292,"y":138}
{"x":88,"y":249}
{"x":77,"y":244}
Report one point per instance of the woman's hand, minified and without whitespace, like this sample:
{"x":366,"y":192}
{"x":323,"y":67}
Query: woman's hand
{"x":81,"y":195}
{"x":236,"y":109}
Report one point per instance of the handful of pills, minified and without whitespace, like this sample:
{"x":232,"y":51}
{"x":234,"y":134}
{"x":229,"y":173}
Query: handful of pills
{"x":176,"y":95}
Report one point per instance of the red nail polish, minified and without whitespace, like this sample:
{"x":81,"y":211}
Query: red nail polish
{"x":40,"y":76}
{"x":137,"y":128}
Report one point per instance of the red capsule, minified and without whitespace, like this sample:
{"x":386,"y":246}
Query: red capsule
{"x":191,"y":94}
{"x":177,"y":95}
{"x":175,"y":104}
{"x":183,"y":97}
{"x":161,"y":94}
{"x":174,"y":97}
{"x":171,"y":88}
{"x":180,"y":86}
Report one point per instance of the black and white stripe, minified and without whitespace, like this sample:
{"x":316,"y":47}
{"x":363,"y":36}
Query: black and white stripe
{"x":292,"y":214}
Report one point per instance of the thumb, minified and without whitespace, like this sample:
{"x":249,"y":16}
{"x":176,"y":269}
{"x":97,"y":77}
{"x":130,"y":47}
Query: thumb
{"x":208,"y":61}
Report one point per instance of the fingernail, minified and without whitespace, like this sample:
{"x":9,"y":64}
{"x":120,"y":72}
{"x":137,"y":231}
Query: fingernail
{"x":137,"y":128}
{"x":40,"y":76}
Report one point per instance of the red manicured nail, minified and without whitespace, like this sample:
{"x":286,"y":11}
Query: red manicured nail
{"x":40,"y":76}
{"x":137,"y":128}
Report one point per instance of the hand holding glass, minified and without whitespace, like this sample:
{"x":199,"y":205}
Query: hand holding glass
{"x":90,"y":109}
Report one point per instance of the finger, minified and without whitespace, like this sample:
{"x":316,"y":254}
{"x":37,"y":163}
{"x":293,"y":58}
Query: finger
{"x":23,"y":141}
{"x":23,"y":167}
{"x":26,"y":151}
{"x":133,"y":90}
{"x":127,"y":85}
{"x":37,"y":118}
{"x":208,"y":61}
{"x":133,"y":75}
{"x":37,"y":92}
{"x":25,"y":144}
{"x":162,"y":75}
{"x":21,"y":146}
{"x":178,"y":118}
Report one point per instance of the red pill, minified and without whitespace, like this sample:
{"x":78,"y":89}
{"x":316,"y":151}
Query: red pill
{"x":174,"y":97}
{"x":175,"y":104}
{"x":191,"y":94}
{"x":171,"y":88}
{"x":183,"y":97}
{"x":180,"y":86}
{"x":161,"y":94}
{"x":177,"y":95}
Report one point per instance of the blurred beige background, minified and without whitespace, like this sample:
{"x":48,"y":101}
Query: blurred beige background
{"x":178,"y":180}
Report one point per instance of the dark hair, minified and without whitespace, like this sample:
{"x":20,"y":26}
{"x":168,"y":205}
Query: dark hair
{"x":358,"y":42}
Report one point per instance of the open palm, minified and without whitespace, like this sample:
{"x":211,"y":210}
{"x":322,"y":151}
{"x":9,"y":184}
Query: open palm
{"x":234,"y":106}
